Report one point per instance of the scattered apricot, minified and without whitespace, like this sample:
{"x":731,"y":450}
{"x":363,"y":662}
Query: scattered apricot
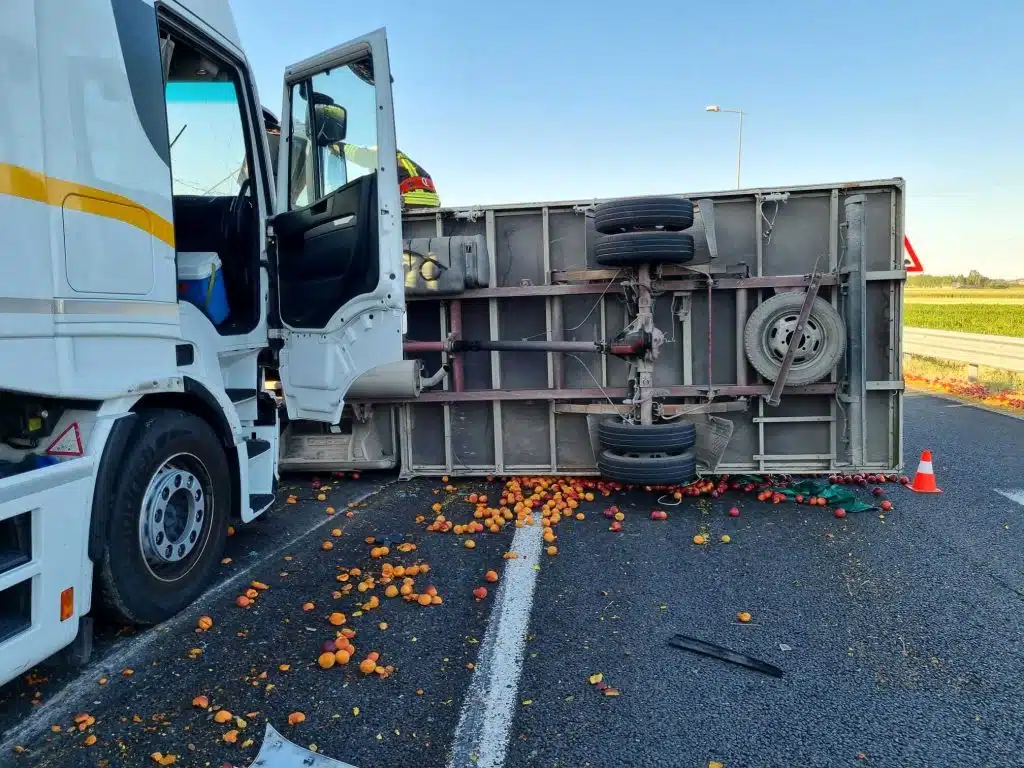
{"x":743,"y":617}
{"x":222,"y":716}
{"x":480,"y":593}
{"x":295,"y":718}
{"x":336,"y":618}
{"x":367,"y":666}
{"x":699,"y":539}
{"x":342,"y":656}
{"x":391,"y":591}
{"x":327,"y":546}
{"x":491,"y":576}
{"x":202,"y":702}
{"x":204,"y":623}
{"x":307,"y":607}
{"x":259,"y":585}
{"x":469,"y":544}
{"x":423,"y":600}
{"x":89,"y":740}
{"x":552,"y":551}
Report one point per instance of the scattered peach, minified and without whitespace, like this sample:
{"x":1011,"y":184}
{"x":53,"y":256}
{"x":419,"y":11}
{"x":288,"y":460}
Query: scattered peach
{"x":491,"y":576}
{"x":327,"y":546}
{"x":480,"y":593}
{"x":295,"y":718}
{"x":743,"y":617}
{"x":204,"y":623}
{"x":223,"y":716}
{"x":336,"y":618}
{"x":202,"y":702}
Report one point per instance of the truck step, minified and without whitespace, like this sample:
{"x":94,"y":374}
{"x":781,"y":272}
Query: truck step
{"x":260,"y":501}
{"x":256,"y":446}
{"x":11,"y":559}
{"x":240,"y":395}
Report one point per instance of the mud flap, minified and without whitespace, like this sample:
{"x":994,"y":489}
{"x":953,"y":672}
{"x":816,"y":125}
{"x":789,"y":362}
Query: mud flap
{"x":278,"y":752}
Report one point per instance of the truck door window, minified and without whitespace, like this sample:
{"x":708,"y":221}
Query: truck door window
{"x":208,"y":149}
{"x":341,"y":107}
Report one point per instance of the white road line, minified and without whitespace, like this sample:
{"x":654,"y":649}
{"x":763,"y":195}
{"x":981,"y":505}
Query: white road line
{"x":485,"y":723}
{"x":1013,"y":494}
{"x":84,"y":688}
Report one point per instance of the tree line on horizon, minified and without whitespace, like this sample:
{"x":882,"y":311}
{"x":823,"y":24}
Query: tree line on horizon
{"x":973,"y":279}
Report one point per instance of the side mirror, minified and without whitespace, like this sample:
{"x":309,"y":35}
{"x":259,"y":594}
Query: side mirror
{"x":331,"y":124}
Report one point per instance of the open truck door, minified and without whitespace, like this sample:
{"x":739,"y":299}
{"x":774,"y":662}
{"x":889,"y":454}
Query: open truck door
{"x":340,"y":302}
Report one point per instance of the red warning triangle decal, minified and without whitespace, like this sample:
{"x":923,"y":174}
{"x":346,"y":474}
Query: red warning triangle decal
{"x":68,"y":443}
{"x":911,"y":263}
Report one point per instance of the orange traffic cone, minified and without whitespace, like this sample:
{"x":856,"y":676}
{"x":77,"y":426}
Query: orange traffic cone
{"x":924,"y":480}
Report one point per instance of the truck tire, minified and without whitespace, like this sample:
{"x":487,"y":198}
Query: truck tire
{"x":669,"y":213}
{"x":648,"y":468}
{"x":168,"y":518}
{"x":769,"y":331}
{"x":670,"y":437}
{"x":629,"y":249}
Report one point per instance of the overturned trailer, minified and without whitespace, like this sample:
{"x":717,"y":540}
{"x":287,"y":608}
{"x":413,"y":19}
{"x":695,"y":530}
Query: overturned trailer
{"x":776,"y":335}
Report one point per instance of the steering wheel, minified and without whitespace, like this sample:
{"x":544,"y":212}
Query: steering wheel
{"x":236,"y":215}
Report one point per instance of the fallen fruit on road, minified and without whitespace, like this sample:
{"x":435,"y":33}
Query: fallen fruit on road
{"x":201,"y":701}
{"x":342,"y":657}
{"x":595,"y":678}
{"x":734,"y":512}
{"x":337,"y":619}
{"x":469,"y":544}
{"x":326,"y":660}
{"x":295,"y":718}
{"x":327,"y":546}
{"x":743,"y":617}
{"x":204,"y":623}
{"x":89,"y":740}
{"x":230,"y":736}
{"x":480,"y":593}
{"x":367,"y":666}
{"x":886,"y":505}
{"x":491,"y":576}
{"x":615,"y":527}
{"x":699,"y":539}
{"x":307,"y":607}
{"x":726,"y":538}
{"x":242,"y":601}
{"x":552,"y":551}
{"x":839,"y":512}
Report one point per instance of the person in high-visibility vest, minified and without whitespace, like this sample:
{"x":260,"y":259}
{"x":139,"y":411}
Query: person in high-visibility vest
{"x":414,"y":183}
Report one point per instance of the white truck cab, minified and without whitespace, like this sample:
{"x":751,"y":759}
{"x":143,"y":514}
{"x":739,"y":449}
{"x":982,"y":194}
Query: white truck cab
{"x":152,"y":284}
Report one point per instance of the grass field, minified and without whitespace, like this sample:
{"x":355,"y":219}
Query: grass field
{"x":997,"y":319}
{"x":998,"y":311}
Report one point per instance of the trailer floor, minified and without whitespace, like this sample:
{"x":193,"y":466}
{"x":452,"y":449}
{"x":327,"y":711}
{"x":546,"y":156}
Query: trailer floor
{"x":901,"y":639}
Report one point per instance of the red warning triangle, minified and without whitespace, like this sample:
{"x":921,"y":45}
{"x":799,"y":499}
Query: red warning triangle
{"x":68,"y":443}
{"x":911,"y":263}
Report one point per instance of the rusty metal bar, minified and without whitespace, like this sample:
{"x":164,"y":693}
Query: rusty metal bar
{"x":424,"y":346}
{"x":721,"y":284}
{"x":594,"y":393}
{"x":458,"y":364}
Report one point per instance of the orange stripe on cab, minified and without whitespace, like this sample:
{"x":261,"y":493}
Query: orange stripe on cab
{"x":27,"y":184}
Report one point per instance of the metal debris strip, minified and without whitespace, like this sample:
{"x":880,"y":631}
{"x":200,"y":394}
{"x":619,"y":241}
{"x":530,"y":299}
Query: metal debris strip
{"x":278,"y":752}
{"x":724,"y":654}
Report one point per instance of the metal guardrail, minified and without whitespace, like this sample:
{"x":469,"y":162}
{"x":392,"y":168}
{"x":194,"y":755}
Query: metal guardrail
{"x":1006,"y":352}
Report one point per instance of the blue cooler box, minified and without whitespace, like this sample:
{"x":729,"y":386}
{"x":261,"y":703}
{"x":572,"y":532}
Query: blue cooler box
{"x":201,"y":283}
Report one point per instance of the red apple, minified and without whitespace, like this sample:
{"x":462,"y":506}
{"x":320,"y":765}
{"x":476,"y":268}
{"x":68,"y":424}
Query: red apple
{"x":734,"y":512}
{"x":886,"y":505}
{"x":839,"y":512}
{"x":480,"y":593}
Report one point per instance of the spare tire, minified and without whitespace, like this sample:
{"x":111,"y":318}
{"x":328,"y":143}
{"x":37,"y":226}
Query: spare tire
{"x":670,"y":437}
{"x":769,"y":332}
{"x":669,"y":213}
{"x":629,"y":249}
{"x":648,"y":468}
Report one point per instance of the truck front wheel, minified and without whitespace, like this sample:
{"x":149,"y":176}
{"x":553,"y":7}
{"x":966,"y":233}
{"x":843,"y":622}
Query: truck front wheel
{"x":168,"y":518}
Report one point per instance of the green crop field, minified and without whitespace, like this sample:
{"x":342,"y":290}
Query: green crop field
{"x":997,"y":319}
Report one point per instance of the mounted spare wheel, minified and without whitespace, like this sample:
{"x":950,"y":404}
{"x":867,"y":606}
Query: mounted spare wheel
{"x":629,"y":249}
{"x":769,"y":333}
{"x":168,"y":517}
{"x":669,"y":437}
{"x":669,"y":213}
{"x":635,"y":468}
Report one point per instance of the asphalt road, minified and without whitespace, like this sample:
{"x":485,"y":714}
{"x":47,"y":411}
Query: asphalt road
{"x":900,"y":638}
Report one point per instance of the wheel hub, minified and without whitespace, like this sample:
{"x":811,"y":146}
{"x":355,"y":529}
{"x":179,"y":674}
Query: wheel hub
{"x":779,"y":336}
{"x":173,"y":513}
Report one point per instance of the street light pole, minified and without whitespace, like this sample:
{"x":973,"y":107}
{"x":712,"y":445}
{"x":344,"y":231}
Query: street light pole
{"x":739,"y":151}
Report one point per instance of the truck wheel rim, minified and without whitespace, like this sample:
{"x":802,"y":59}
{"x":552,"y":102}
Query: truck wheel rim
{"x":174,"y":521}
{"x":778,"y":335}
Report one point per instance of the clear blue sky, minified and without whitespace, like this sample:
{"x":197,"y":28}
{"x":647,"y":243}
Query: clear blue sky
{"x":563,"y":99}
